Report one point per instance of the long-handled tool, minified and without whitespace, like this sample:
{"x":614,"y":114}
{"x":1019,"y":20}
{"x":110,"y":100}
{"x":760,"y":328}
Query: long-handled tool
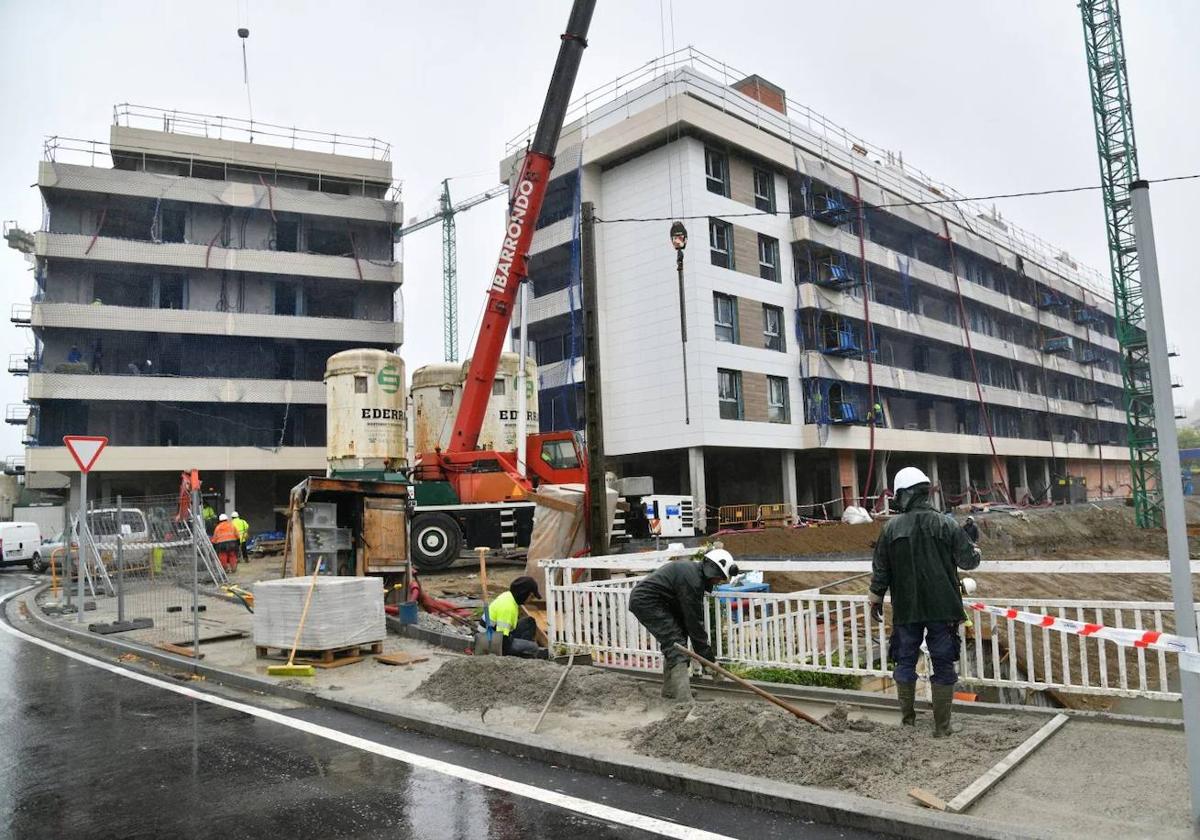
{"x":561,"y":679}
{"x":291,"y":669}
{"x":766,"y":695}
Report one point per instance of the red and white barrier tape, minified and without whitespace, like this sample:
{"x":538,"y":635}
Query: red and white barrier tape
{"x":1128,"y":637}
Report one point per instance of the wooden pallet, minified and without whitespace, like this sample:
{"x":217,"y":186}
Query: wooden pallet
{"x":331,"y":658}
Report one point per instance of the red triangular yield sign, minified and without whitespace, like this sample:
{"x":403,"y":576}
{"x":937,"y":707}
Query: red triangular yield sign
{"x":85,"y":449}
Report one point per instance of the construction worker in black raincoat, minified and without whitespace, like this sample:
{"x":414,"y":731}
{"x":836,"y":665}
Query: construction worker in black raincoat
{"x":669,"y":602}
{"x":916,"y":559}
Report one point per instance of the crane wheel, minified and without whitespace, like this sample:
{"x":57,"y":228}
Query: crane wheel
{"x":436,"y":540}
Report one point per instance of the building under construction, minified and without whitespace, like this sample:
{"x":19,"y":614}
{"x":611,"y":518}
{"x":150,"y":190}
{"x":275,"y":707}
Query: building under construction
{"x":192,"y":276}
{"x":845,"y":314}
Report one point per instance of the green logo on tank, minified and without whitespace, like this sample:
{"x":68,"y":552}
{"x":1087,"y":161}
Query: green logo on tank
{"x":388,"y":379}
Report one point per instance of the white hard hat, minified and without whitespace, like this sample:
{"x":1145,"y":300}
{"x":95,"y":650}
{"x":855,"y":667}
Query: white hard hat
{"x":909,"y":477}
{"x":235,"y":514}
{"x":222,"y":518}
{"x":724,"y":561}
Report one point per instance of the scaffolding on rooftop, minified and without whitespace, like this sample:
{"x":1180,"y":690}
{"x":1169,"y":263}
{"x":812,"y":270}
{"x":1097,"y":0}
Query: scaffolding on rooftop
{"x":709,"y":78}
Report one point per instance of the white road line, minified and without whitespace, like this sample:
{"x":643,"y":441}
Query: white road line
{"x":642,"y":822}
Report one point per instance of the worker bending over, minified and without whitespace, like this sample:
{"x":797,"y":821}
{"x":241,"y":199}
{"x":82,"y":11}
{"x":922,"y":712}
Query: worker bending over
{"x":669,"y":602}
{"x":517,"y":632}
{"x":915,"y":559}
{"x":225,"y":541}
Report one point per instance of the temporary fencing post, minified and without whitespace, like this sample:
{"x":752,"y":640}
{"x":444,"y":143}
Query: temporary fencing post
{"x":198,"y":535}
{"x":1172,"y":489}
{"x":120,"y":566}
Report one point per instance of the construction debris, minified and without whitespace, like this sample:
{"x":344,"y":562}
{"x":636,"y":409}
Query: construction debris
{"x":478,"y":682}
{"x":869,"y":758}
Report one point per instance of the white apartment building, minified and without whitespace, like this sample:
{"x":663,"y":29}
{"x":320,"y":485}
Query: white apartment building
{"x":782,"y":275}
{"x":193,"y":274}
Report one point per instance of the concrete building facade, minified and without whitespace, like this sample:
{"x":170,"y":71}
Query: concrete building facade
{"x":191,"y":281}
{"x":845,"y":317}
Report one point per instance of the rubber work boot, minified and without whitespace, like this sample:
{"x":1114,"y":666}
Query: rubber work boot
{"x":666,"y":689}
{"x":943,"y":703}
{"x":907,"y":692}
{"x":678,"y":686}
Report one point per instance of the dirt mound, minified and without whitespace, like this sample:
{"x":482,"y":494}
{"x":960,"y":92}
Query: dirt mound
{"x":1071,"y":530}
{"x":477,"y":682}
{"x":834,"y":538}
{"x":862,"y":756}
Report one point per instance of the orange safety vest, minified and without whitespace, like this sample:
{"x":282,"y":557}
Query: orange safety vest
{"x":225,"y":532}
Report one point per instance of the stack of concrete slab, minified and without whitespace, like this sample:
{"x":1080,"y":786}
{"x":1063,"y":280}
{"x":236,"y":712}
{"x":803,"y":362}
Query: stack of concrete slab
{"x":345,"y":611}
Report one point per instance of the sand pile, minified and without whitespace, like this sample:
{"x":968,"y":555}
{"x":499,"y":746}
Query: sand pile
{"x":835,"y":538}
{"x":1072,"y":530}
{"x":477,"y":682}
{"x":873,"y":759}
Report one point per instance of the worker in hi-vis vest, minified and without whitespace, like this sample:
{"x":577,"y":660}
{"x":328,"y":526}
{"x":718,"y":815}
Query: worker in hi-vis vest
{"x":503,"y":617}
{"x":243,"y":532}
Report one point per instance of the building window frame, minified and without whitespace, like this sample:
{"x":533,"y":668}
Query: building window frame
{"x":768,"y":258}
{"x":720,"y":243}
{"x":729,"y":394}
{"x":773,"y":337}
{"x":778,"y":404}
{"x":764,"y":190}
{"x":716,"y":171}
{"x":725,"y":323}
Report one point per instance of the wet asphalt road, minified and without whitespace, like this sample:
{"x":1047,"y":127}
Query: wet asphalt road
{"x":89,"y":754}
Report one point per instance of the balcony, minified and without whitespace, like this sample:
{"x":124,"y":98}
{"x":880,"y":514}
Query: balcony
{"x":202,"y":322}
{"x":84,"y":386}
{"x":1060,"y":344}
{"x":188,"y":255}
{"x":16,"y":414}
{"x":21,"y":314}
{"x":19,"y":364}
{"x":175,"y":459}
{"x":14,"y":465}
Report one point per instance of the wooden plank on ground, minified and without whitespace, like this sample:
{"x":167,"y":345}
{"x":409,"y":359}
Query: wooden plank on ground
{"x":928,"y":799}
{"x":400,"y":658}
{"x":981,"y":785}
{"x":179,"y":650}
{"x":538,"y":614}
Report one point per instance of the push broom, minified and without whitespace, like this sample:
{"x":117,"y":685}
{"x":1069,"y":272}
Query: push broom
{"x":290,"y":668}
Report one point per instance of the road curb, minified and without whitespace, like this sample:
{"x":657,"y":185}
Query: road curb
{"x":820,"y":805}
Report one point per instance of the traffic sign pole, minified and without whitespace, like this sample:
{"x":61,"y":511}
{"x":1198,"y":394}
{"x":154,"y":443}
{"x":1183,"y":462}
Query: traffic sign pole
{"x":85,"y":449}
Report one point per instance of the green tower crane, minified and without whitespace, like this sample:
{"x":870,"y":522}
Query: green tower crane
{"x":1117,"y":149}
{"x":445,"y":214}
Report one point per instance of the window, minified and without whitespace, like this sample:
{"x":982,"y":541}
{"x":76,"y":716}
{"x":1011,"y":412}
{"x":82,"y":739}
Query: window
{"x":560,"y":454}
{"x":729,"y":393}
{"x":764,"y":190}
{"x":360,"y":384}
{"x":725,"y":317}
{"x":287,"y":234}
{"x":720,"y":239}
{"x":777,"y":400}
{"x":768,"y":258}
{"x":498,"y":387}
{"x":716,"y":171}
{"x":773,"y":328}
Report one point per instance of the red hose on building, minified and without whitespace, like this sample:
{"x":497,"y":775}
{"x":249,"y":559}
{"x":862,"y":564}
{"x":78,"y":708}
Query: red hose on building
{"x":868,"y":340}
{"x":983,"y":409}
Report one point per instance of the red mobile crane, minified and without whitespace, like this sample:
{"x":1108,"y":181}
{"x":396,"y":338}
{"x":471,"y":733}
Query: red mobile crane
{"x":462,"y":475}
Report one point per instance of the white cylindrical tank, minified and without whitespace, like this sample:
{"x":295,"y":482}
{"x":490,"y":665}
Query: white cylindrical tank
{"x":437,"y":394}
{"x":436,"y":390}
{"x":365,"y":418}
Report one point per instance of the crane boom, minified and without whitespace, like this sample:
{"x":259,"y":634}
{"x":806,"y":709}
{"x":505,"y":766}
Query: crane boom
{"x":524,"y":205}
{"x":440,"y":214}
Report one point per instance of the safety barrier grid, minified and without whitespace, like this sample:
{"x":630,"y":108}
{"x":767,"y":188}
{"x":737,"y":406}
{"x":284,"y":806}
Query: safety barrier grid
{"x":836,"y":634}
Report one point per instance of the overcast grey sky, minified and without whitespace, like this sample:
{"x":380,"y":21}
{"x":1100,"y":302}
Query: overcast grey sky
{"x":989,"y":97}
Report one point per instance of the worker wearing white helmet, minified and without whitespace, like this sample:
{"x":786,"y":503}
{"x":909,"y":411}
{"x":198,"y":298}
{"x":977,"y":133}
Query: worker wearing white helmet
{"x":916,"y":559}
{"x":669,"y":602}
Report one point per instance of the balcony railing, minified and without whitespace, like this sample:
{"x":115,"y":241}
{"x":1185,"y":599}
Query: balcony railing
{"x":16,"y":414}
{"x":21,"y":314}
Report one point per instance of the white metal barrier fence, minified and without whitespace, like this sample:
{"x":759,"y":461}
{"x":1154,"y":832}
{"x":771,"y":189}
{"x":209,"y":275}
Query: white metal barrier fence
{"x":836,"y":634}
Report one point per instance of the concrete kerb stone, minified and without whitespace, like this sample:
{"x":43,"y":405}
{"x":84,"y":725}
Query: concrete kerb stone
{"x":450,"y":641}
{"x":825,"y":806}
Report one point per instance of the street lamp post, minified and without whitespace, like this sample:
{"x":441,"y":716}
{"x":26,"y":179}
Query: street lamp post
{"x":679,"y":242}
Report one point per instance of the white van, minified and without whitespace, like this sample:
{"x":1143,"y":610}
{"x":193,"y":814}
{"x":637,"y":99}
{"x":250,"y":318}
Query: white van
{"x":20,"y":543}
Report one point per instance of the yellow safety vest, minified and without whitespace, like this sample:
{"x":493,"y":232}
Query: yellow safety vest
{"x":503,"y":613}
{"x":243,"y":528}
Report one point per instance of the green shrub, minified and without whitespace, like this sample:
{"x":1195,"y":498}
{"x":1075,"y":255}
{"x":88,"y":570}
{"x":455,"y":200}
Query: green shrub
{"x":794,"y":676}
